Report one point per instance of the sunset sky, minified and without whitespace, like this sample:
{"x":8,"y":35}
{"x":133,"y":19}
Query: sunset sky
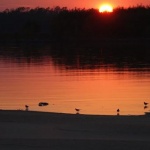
{"x":4,"y":4}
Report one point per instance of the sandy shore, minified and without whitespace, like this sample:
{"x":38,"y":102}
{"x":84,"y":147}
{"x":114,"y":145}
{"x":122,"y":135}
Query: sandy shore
{"x":21,"y":130}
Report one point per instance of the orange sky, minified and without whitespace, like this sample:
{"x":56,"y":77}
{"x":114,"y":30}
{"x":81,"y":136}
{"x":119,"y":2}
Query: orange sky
{"x":69,"y":3}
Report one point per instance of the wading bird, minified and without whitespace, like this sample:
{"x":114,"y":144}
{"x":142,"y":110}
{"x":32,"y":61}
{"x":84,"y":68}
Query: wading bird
{"x":27,"y":107}
{"x":118,"y":110}
{"x":145,"y":103}
{"x":77,"y":110}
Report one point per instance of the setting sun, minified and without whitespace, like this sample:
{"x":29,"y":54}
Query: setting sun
{"x":106,"y":8}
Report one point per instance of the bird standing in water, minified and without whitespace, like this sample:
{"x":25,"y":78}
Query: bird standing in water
{"x":118,"y":110}
{"x":27,"y":107}
{"x":145,"y":103}
{"x":77,"y":110}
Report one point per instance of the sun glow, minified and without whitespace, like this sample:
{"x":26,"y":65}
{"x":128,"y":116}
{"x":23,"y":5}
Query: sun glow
{"x":106,"y":8}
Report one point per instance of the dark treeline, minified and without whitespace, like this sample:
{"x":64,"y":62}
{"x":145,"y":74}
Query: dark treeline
{"x":120,"y":38}
{"x":76,"y":24}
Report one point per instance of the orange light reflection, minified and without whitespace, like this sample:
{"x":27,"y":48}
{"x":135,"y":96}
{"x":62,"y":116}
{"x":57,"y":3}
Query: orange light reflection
{"x":98,"y":92}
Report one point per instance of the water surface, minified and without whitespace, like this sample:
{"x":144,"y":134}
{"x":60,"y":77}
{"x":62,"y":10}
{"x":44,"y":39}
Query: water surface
{"x":93,"y":81}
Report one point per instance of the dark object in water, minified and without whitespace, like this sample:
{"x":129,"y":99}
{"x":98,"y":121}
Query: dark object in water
{"x":27,"y":107}
{"x":145,"y":103}
{"x":118,"y":111}
{"x":43,"y":104}
{"x":77,"y":110}
{"x":145,"y":107}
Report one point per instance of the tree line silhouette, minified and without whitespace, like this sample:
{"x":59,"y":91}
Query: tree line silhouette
{"x":60,"y":24}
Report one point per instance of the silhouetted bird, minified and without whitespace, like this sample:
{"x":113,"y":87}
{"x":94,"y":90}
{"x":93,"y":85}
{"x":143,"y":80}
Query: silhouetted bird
{"x":27,"y":107}
{"x":77,"y":110}
{"x":118,"y":110}
{"x":145,"y":103}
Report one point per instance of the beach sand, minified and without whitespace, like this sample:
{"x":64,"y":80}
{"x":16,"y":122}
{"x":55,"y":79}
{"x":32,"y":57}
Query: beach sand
{"x":29,"y":130}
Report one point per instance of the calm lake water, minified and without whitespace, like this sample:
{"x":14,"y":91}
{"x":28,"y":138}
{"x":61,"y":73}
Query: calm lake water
{"x":92,"y":81}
